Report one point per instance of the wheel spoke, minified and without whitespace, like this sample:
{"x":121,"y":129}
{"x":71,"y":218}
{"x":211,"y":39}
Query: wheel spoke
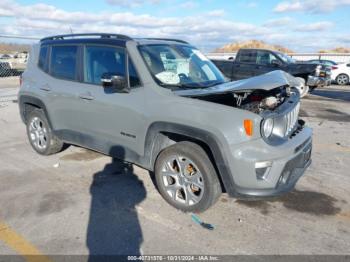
{"x":183,"y":164}
{"x":180,"y":174}
{"x":191,"y":198}
{"x":172,"y":189}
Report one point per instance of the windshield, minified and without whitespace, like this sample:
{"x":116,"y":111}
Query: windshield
{"x":180,"y":66}
{"x":286,"y":58}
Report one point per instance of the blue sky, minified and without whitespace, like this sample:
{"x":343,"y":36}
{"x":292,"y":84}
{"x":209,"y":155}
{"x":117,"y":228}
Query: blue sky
{"x":303,"y":26}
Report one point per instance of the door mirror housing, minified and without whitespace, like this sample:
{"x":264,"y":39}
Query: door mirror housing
{"x":115,"y":82}
{"x":276,"y":63}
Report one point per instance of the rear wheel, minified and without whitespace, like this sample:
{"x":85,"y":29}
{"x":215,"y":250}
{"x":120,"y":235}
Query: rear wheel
{"x":186,"y":177}
{"x":342,"y":79}
{"x":40,"y":134}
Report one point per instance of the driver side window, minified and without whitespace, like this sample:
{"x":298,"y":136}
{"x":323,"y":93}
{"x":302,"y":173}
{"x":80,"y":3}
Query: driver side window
{"x":265,"y":58}
{"x":99,"y":60}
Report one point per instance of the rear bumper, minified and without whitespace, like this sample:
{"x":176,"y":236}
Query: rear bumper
{"x":316,"y":81}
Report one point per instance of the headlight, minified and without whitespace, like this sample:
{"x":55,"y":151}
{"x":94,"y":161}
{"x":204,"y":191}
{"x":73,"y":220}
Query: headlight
{"x":267,"y":127}
{"x":318,"y":70}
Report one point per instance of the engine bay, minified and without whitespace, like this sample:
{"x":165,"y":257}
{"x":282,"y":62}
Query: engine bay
{"x":256,"y":101}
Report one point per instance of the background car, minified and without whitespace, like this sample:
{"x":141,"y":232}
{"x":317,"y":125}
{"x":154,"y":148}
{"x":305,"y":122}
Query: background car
{"x":322,"y":61}
{"x":341,"y":73}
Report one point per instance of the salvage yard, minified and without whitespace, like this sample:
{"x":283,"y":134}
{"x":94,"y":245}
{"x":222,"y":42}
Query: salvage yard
{"x":82,"y":202}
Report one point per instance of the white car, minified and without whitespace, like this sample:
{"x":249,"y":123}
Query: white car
{"x":341,"y":73}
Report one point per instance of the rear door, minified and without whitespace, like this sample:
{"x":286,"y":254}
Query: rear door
{"x":245,"y":64}
{"x":62,"y":87}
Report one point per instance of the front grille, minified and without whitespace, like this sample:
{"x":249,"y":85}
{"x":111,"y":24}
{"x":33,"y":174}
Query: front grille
{"x":291,"y":120}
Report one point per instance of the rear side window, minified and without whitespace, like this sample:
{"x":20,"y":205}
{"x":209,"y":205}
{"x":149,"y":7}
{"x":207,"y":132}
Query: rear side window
{"x":42,"y":63}
{"x":247,"y":57}
{"x":64,"y":62}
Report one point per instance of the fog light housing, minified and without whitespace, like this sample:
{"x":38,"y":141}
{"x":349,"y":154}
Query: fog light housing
{"x":262,"y":170}
{"x":284,"y":177}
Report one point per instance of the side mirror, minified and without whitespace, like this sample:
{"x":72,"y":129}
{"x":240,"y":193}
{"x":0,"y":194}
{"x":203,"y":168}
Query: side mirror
{"x":276,"y":63}
{"x":115,"y":82}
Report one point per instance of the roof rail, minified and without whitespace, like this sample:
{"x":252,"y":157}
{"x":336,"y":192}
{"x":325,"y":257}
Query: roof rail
{"x":101,"y":35}
{"x":166,"y":39}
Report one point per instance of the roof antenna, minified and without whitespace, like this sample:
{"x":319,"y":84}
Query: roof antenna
{"x":71,"y":31}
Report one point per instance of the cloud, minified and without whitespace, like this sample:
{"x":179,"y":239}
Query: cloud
{"x":318,"y":26}
{"x":310,"y":6}
{"x":216,"y":13}
{"x":284,"y":21}
{"x":132,"y":3}
{"x":208,"y":30}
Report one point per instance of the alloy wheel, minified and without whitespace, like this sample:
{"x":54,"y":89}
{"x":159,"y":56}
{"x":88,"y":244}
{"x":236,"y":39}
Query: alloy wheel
{"x":38,"y":133}
{"x":182,"y":179}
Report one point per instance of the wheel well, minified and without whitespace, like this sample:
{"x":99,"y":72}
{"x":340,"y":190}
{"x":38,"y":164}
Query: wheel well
{"x":166,"y":139}
{"x":27,"y":109}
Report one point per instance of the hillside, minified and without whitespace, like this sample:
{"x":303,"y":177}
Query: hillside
{"x":234,"y":47}
{"x":337,"y":50}
{"x":9,"y":48}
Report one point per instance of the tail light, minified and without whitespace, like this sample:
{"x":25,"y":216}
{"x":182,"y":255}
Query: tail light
{"x":20,"y":80}
{"x":334,"y":67}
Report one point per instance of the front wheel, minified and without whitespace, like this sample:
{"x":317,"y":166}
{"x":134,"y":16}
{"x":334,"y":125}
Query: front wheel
{"x":186,"y":178}
{"x":342,"y":79}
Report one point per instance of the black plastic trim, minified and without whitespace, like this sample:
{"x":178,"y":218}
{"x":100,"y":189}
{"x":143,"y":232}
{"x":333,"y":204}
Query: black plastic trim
{"x":198,"y":134}
{"x":24,"y":99}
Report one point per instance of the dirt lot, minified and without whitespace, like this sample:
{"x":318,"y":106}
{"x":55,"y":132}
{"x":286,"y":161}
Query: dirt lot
{"x":81,"y":202}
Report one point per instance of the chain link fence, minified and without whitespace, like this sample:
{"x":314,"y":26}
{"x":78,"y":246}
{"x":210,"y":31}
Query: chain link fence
{"x":12,"y":64}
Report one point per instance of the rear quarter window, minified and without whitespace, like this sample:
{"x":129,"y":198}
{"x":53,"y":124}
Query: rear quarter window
{"x":42,"y":62}
{"x":64,"y":62}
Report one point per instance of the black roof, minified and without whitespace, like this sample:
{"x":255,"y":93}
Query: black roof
{"x":101,"y":37}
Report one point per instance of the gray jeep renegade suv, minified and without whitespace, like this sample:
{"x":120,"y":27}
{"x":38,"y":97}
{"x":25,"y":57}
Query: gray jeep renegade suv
{"x":161,"y":104}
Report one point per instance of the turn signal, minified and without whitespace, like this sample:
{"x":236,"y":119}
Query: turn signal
{"x":248,"y":127}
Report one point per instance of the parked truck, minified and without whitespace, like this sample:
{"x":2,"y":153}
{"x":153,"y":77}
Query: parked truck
{"x":253,"y":62}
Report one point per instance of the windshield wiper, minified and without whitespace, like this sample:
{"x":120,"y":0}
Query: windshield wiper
{"x":192,"y":86}
{"x":180,"y":86}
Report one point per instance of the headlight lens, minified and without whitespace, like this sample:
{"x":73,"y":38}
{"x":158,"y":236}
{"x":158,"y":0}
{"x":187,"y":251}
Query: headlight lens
{"x":267,"y":127}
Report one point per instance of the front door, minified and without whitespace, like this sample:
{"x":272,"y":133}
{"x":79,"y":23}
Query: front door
{"x":111,"y":120}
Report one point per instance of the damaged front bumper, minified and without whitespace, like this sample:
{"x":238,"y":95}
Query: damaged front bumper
{"x":262,"y":170}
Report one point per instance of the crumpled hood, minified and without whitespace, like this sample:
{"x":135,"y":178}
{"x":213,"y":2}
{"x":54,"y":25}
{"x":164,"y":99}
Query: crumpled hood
{"x":265,"y":82}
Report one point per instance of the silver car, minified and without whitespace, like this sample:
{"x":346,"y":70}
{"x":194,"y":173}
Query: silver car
{"x":161,"y":104}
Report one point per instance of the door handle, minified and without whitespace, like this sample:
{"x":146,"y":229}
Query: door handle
{"x":86,"y":96}
{"x":45,"y":88}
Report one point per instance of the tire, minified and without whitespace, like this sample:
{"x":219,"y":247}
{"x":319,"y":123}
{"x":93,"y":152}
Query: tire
{"x":186,"y":177}
{"x":40,"y":135}
{"x":342,"y":79}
